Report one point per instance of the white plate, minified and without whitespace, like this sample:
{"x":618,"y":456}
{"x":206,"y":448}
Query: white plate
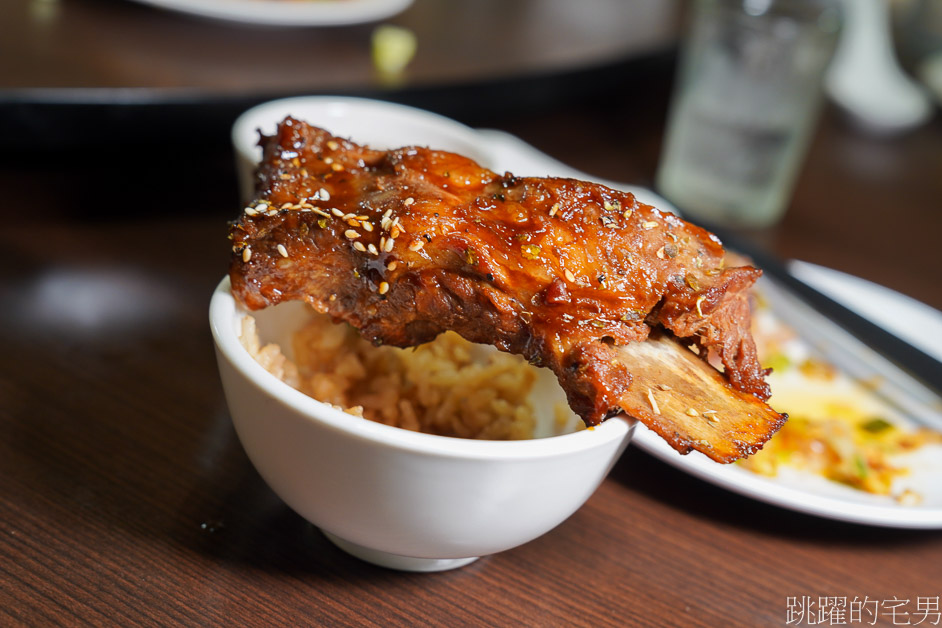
{"x":802,"y":492}
{"x":898,"y":397}
{"x":287,"y":12}
{"x":387,"y":125}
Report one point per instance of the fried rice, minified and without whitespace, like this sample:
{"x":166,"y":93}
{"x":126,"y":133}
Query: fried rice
{"x":448,"y":387}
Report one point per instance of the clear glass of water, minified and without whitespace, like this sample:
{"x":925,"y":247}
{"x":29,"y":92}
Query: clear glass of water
{"x":745,"y":107}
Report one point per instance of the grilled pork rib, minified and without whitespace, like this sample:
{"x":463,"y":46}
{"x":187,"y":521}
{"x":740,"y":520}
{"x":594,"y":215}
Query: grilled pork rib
{"x":405,"y":244}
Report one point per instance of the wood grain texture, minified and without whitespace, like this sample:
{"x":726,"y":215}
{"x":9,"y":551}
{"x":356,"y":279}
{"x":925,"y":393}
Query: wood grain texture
{"x":126,"y":499}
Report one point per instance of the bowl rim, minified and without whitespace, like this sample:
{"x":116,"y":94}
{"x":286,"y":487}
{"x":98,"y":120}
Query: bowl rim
{"x":243,"y":132}
{"x":223,"y":312}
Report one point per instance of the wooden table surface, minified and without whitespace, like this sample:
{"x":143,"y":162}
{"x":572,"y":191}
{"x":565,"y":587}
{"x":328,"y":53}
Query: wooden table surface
{"x":126,"y":498}
{"x":132,"y":50}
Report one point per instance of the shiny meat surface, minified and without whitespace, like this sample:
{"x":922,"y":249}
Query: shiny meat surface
{"x":407,"y":243}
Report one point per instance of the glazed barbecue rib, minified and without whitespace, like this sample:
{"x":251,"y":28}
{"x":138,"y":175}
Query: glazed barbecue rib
{"x":611,"y":294}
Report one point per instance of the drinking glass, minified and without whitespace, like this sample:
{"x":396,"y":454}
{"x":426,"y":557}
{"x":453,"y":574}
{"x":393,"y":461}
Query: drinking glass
{"x":745,"y":106}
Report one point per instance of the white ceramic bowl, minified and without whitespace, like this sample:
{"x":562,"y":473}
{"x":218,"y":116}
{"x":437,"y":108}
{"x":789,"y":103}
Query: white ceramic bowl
{"x":390,"y":496}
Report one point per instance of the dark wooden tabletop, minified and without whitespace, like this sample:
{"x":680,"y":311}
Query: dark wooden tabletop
{"x":126,"y":499}
{"x":129,"y":50}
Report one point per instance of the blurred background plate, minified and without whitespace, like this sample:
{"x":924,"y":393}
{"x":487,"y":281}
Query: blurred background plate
{"x":287,"y":12}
